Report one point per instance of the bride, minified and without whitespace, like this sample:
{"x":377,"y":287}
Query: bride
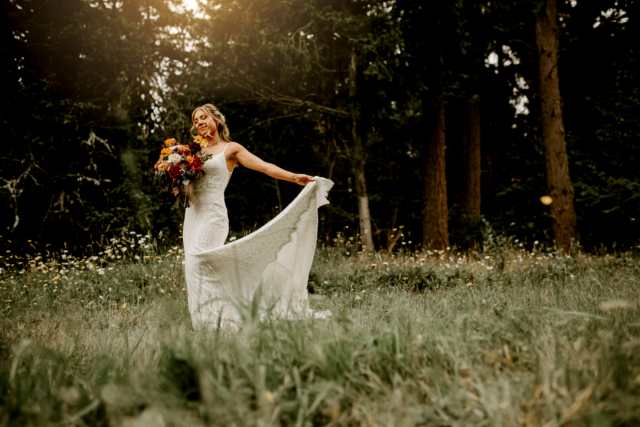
{"x":271,"y":264}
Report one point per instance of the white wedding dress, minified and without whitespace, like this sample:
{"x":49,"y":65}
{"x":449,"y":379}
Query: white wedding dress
{"x":272,"y":263}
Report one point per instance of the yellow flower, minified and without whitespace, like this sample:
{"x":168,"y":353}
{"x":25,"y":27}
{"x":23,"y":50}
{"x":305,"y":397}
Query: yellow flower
{"x":364,"y":292}
{"x":469,"y":284}
{"x":268,"y":396}
{"x":124,"y":305}
{"x":358,"y":298}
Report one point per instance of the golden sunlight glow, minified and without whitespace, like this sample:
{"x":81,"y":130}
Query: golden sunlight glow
{"x":190,"y":4}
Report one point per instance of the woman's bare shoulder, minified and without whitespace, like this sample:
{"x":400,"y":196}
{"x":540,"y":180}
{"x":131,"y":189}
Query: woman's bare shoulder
{"x":234,"y":148}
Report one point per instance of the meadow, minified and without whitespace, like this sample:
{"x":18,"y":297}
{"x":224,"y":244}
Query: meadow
{"x":515,"y":335}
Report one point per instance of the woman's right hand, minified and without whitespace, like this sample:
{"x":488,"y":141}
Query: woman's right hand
{"x":175,"y":190}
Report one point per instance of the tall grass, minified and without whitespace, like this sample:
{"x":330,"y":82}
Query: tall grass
{"x":509,"y":337}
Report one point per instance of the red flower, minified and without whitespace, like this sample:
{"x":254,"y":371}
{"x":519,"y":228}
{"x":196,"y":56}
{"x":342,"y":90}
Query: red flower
{"x":195,"y":147}
{"x":175,"y":171}
{"x":195,"y":165}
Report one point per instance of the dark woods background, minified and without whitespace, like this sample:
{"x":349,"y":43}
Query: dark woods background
{"x":366,"y":93}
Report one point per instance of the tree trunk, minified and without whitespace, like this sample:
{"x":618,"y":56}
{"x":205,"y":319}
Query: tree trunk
{"x":471,"y":171}
{"x":358,"y":162}
{"x":563,"y":212}
{"x":357,"y":155}
{"x":434,"y":212}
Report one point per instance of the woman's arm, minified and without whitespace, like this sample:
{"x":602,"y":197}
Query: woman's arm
{"x":252,"y":161}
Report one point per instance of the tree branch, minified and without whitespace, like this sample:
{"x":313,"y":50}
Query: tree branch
{"x":268,"y":94}
{"x":269,"y":121}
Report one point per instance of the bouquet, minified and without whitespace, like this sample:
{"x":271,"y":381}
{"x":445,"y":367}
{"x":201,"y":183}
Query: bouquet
{"x":179,"y":165}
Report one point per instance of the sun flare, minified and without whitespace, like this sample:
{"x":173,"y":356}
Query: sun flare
{"x":190,"y":4}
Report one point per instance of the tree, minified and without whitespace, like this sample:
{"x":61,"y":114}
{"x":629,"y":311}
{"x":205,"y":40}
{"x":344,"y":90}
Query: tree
{"x":563,"y":214}
{"x":79,"y":96}
{"x":434,"y":208}
{"x":467,"y":70}
{"x":471,"y":161}
{"x":427,"y":27}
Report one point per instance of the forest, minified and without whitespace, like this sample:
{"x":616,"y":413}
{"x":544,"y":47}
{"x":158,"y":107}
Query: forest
{"x":442,"y":123}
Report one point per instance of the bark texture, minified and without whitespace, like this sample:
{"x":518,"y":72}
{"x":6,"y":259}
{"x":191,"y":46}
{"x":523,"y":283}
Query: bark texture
{"x":357,"y":164}
{"x":471,"y":158}
{"x":434,"y":212}
{"x":559,"y":187}
{"x":358,"y":160}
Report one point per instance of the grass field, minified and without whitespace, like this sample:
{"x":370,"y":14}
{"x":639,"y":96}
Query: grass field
{"x":509,"y":337}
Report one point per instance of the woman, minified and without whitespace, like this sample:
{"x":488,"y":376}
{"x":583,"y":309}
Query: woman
{"x":273,"y":262}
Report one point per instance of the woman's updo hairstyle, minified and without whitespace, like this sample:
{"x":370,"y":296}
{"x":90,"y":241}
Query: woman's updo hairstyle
{"x":212,"y":111}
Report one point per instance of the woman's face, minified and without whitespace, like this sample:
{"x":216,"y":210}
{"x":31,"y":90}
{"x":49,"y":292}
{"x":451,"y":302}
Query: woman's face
{"x":204,"y":123}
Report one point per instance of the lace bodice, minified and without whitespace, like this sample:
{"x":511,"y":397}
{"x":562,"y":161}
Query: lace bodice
{"x":216,"y":176}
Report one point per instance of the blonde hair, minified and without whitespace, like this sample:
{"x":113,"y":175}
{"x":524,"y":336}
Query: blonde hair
{"x":213,"y":112}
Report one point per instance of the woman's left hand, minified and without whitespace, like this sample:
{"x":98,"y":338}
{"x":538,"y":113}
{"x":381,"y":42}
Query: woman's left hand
{"x":302,"y":179}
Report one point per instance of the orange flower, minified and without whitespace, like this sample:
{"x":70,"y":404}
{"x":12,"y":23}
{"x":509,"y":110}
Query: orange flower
{"x":199,"y":139}
{"x":157,"y":165}
{"x":165,"y":152}
{"x":183,"y":149}
{"x":189,"y":159}
{"x":170,"y":142}
{"x":164,"y":166}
